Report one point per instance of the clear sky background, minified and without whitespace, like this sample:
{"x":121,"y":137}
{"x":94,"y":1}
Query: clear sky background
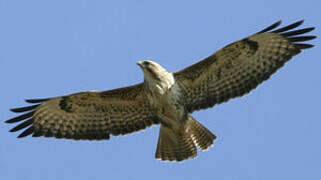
{"x":52,"y":48}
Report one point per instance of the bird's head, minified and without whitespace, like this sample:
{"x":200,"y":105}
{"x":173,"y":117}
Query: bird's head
{"x":155,"y":73}
{"x":152,"y":70}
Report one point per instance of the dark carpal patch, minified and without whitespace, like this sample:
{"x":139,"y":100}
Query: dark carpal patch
{"x":252,"y":44}
{"x":65,"y":104}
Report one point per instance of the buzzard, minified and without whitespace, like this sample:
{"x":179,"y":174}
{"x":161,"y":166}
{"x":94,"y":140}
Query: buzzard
{"x":167,"y":98}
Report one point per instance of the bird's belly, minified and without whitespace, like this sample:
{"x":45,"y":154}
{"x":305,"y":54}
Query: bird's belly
{"x":171,"y":111}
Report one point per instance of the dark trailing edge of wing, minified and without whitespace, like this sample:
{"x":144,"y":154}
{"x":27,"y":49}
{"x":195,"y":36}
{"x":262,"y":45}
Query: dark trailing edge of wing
{"x":292,"y":35}
{"x":25,"y":122}
{"x":27,"y":117}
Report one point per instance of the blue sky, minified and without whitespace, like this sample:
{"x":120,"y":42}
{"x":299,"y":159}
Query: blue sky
{"x":52,"y":48}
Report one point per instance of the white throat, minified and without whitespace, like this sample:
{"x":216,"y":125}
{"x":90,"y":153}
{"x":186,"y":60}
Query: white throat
{"x":161,"y":87}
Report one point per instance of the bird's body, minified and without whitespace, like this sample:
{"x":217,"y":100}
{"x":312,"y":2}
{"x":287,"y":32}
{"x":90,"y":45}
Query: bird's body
{"x":169,"y":105}
{"x":167,"y":98}
{"x":178,"y":128}
{"x":164,"y":95}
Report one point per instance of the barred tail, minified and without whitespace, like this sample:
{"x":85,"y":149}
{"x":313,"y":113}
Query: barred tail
{"x":179,"y":146}
{"x":173,"y":146}
{"x":202,"y":137}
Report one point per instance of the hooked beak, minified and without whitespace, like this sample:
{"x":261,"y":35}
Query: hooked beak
{"x":139,"y":63}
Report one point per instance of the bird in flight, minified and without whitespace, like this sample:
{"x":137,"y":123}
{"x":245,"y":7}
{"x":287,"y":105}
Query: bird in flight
{"x":167,"y":98}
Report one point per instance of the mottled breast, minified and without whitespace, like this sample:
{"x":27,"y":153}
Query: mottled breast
{"x":170,"y":105}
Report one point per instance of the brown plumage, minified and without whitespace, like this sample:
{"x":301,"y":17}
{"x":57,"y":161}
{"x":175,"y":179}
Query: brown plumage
{"x":167,"y":98}
{"x":241,"y":66}
{"x":88,"y":115}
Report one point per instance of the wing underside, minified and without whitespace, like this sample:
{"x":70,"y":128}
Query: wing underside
{"x":241,"y":66}
{"x":87,"y":116}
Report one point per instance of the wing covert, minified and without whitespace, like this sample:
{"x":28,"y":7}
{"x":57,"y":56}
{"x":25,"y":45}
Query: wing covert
{"x":241,"y":66}
{"x":87,"y":115}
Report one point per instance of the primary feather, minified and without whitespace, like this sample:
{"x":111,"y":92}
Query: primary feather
{"x":88,"y":115}
{"x":241,"y":66}
{"x":167,"y":98}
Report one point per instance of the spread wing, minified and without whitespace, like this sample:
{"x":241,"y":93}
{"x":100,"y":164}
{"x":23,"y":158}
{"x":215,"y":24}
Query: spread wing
{"x":87,"y":115}
{"x":240,"y":67}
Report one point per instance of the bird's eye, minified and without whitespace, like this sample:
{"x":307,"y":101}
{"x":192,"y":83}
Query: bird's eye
{"x":146,"y":63}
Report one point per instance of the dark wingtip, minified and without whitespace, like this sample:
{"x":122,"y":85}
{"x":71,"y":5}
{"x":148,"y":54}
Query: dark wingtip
{"x":26,"y":132}
{"x":303,"y":46}
{"x":301,"y":38}
{"x":273,"y":26}
{"x":37,"y":100}
{"x":298,"y":23}
{"x":23,"y":109}
{"x":288,"y":27}
{"x":22,"y":125}
{"x":297,"y":32}
{"x":21,"y":117}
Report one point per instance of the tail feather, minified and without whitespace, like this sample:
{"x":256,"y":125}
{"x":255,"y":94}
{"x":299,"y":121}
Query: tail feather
{"x":202,"y":137}
{"x":179,"y":146}
{"x":173,"y":146}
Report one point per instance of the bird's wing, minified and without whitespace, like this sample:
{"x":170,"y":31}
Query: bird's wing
{"x":87,"y":115}
{"x":241,"y":66}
